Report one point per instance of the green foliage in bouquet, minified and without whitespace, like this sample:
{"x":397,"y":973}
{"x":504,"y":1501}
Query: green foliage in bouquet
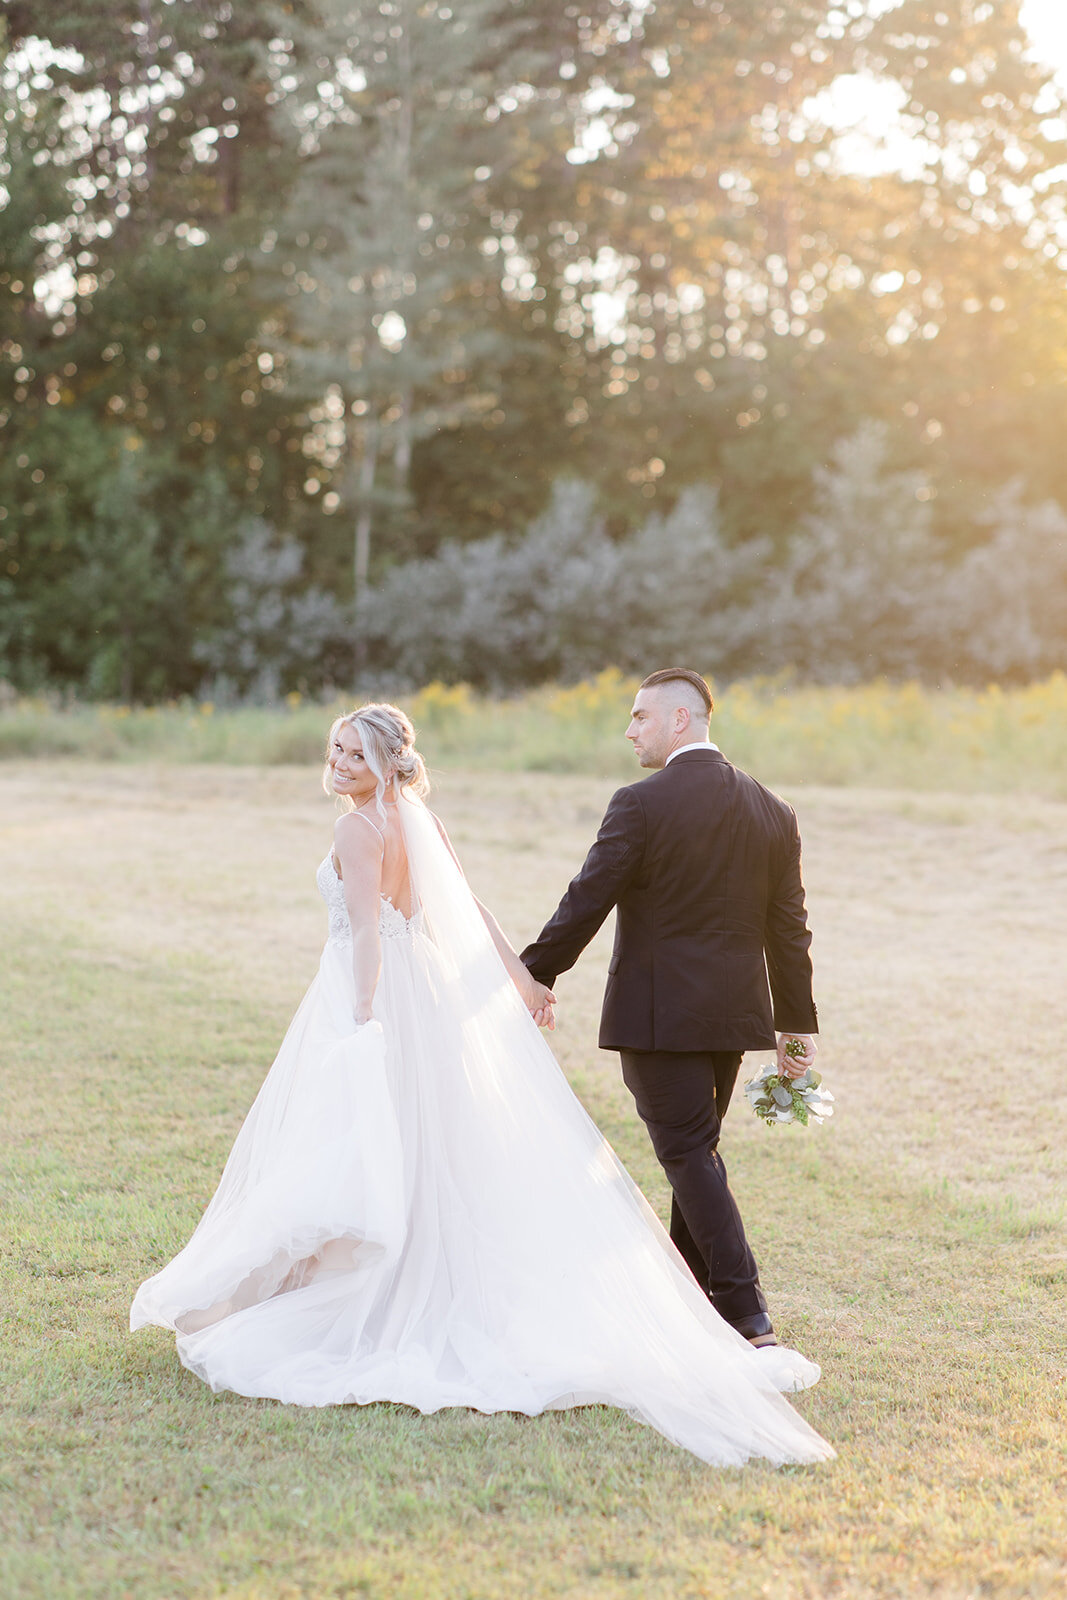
{"x":777,"y":1099}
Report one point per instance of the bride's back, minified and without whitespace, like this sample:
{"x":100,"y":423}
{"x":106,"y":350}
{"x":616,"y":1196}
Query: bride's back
{"x":396,"y":876}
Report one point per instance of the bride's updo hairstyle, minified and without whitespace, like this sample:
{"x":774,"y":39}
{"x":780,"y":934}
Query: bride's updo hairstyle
{"x":388,"y":740}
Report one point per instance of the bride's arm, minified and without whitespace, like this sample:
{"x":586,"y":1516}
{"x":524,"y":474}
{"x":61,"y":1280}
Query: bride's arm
{"x":535,"y":997}
{"x":360,"y":850}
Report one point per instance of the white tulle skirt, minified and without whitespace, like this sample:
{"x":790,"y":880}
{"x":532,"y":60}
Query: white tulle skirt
{"x":420,"y":1211}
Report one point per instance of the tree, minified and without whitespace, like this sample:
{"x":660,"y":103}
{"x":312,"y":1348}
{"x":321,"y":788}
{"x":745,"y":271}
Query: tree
{"x":375,"y":275}
{"x":389,"y":242}
{"x":761,"y":284}
{"x":137,"y":326}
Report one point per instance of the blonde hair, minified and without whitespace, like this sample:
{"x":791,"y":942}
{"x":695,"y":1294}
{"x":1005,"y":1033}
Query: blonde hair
{"x":388,"y":749}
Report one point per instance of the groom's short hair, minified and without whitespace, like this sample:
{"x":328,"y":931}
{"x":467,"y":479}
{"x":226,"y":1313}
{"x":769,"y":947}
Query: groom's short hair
{"x":682,"y":675}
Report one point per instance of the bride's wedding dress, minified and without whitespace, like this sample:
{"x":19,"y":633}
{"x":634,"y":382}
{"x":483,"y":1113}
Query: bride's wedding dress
{"x":419,"y":1210}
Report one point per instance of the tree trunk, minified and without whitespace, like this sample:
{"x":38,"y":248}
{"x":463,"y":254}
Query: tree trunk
{"x":148,"y":50}
{"x":402,"y":448}
{"x":126,"y":670}
{"x":368,"y":468}
{"x":364,"y":524}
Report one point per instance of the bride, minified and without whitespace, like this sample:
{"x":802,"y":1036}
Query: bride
{"x":417,"y":1208}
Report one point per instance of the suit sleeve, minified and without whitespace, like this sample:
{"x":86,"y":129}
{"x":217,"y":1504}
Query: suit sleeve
{"x":787,"y":942}
{"x":605,"y":872}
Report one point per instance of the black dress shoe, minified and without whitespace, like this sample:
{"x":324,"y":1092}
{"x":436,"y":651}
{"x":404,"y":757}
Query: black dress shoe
{"x":757,"y":1329}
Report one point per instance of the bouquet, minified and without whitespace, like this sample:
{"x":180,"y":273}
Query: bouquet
{"x":777,"y":1099}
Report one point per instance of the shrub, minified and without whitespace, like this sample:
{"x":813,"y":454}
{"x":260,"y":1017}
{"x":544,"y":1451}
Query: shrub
{"x":1002,"y":612}
{"x":565,"y":599}
{"x":275,"y":633}
{"x":851,"y":601}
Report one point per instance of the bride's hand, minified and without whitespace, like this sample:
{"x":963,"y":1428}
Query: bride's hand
{"x":538,"y":1001}
{"x":545,"y":1016}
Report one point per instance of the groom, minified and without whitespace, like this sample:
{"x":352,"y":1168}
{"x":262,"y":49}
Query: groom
{"x":703,"y":866}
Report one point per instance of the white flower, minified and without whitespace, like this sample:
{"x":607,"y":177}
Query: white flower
{"x":777,"y":1099}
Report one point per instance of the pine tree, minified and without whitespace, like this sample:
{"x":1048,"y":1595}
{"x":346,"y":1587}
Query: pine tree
{"x":140,"y":355}
{"x":391,"y":244}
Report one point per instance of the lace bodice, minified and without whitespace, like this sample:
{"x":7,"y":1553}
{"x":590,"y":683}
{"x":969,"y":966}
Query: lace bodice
{"x":392,"y":923}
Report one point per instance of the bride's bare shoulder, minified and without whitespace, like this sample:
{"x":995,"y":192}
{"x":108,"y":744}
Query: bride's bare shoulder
{"x":355,"y":834}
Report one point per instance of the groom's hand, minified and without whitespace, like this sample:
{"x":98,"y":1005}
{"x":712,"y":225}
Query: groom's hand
{"x":794,"y":1063}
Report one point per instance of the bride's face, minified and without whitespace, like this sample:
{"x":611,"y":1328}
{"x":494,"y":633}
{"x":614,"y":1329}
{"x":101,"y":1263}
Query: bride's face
{"x":351,"y":774}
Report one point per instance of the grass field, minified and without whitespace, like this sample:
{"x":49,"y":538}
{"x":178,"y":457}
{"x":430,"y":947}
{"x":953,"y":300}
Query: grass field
{"x":159,"y":925}
{"x":879,"y":735}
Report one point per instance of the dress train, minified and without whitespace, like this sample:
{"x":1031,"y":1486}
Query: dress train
{"x":421,"y":1211}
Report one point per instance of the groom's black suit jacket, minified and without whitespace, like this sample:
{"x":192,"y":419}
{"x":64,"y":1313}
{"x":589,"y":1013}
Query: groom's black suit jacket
{"x":703,"y":864}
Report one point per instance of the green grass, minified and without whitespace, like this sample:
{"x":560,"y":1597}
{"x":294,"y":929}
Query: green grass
{"x":160,"y":925}
{"x":878,"y":735}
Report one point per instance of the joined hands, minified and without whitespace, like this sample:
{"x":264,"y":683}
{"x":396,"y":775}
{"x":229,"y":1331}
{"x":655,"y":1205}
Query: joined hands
{"x":539,"y":1002}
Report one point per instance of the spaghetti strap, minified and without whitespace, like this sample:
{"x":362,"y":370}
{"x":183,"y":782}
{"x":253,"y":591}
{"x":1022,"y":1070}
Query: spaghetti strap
{"x":369,"y":823}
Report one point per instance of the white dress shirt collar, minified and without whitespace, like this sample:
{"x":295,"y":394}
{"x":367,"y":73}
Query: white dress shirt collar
{"x":705,"y":744}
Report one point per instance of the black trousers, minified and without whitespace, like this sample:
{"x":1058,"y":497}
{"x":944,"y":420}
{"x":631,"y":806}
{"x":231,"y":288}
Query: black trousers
{"x":682,"y":1098}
